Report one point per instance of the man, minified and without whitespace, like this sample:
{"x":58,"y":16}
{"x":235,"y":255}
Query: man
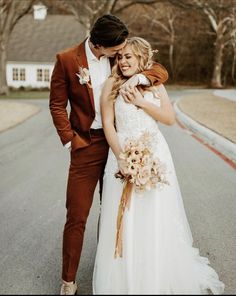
{"x":78,"y":77}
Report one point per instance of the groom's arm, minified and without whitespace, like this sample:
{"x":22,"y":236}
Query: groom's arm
{"x":58,"y":102}
{"x":156,"y":75}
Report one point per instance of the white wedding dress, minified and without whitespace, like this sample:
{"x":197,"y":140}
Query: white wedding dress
{"x":158,"y":256}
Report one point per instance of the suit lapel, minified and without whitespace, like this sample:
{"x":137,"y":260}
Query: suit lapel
{"x":82,"y":62}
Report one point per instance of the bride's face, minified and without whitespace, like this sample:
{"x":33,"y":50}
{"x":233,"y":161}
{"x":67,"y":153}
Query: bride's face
{"x":127,"y":61}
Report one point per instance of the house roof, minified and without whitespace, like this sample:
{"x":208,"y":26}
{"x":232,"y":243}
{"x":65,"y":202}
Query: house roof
{"x":39,"y":40}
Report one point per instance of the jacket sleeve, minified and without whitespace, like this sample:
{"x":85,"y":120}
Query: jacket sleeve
{"x":58,"y":102}
{"x":157,"y":74}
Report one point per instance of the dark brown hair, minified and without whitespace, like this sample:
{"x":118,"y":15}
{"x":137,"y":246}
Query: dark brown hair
{"x":108,"y":31}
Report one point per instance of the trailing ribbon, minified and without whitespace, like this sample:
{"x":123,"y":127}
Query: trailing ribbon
{"x":124,"y":203}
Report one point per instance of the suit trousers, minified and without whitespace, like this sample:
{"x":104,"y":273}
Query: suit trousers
{"x":86,"y":169}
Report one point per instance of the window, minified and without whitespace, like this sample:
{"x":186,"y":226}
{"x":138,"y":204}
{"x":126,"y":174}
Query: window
{"x":18,"y":74}
{"x":22,"y":74}
{"x":43,"y":75}
{"x":39,"y":74}
{"x":15,"y":75}
{"x":46,"y":74}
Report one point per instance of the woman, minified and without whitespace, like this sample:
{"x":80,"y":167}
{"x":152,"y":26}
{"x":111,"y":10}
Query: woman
{"x":151,"y":253}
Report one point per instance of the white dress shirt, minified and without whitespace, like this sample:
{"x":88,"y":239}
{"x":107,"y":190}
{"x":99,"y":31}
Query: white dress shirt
{"x":99,"y":70}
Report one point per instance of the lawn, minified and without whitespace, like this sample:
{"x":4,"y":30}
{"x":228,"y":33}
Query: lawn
{"x":21,"y":94}
{"x":44,"y":94}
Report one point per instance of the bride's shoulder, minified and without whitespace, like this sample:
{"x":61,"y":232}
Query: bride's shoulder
{"x":107,"y":87}
{"x":151,"y":91}
{"x":157,"y":90}
{"x":109,"y":82}
{"x":158,"y":87}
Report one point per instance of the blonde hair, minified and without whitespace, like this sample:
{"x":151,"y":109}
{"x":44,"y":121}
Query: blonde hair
{"x":143,"y":52}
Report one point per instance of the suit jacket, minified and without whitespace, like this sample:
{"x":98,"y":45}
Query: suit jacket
{"x":65,"y":87}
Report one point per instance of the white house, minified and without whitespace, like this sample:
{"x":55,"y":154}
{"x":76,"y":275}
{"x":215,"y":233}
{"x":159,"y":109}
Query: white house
{"x":34,"y":43}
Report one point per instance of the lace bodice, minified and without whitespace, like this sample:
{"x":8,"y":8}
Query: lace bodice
{"x":132,"y":121}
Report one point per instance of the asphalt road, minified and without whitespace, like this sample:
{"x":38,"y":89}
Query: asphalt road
{"x":33,"y":176}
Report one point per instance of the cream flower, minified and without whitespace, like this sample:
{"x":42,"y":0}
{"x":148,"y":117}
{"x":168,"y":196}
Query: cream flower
{"x":83,"y":75}
{"x":139,"y":166}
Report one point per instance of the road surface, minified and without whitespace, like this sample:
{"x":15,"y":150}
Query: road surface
{"x":33,"y":178}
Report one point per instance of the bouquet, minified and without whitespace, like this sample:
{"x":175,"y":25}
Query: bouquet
{"x":139,"y":166}
{"x":141,"y":171}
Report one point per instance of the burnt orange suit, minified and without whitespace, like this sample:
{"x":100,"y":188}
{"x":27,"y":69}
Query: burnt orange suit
{"x":89,"y":148}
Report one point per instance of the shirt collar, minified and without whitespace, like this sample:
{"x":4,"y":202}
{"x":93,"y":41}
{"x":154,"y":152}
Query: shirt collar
{"x":89,"y":54}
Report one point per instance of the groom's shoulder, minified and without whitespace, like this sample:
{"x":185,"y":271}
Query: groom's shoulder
{"x":73,"y":50}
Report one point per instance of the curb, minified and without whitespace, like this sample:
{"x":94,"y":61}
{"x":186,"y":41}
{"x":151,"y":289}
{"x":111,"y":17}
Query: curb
{"x":216,"y":141}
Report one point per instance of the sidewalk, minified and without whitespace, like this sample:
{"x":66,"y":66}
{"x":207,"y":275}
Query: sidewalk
{"x":13,"y":113}
{"x":212,"y":117}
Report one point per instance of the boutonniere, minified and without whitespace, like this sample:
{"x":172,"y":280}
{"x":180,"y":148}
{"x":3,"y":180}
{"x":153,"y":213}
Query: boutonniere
{"x":84,"y":76}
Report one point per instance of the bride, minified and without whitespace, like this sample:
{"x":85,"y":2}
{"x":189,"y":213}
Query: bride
{"x":154,"y":252}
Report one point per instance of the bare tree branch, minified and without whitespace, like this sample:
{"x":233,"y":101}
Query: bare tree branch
{"x":133,"y":2}
{"x":11,"y":11}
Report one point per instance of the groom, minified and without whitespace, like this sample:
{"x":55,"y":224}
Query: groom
{"x":78,"y":76}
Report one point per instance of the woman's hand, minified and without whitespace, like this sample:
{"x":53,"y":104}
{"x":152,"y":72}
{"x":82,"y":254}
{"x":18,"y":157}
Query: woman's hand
{"x":131,"y":82}
{"x":133,"y":96}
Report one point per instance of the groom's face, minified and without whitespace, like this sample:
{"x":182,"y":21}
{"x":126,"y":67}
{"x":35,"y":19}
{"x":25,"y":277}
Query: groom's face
{"x":111,"y":51}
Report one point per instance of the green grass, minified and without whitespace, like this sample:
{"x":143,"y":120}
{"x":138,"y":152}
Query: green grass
{"x":26,"y":95}
{"x":44,"y":94}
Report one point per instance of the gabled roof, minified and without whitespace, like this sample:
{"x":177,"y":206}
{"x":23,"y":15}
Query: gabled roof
{"x":39,"y":40}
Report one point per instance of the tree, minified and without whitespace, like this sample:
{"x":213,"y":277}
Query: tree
{"x":86,"y":12}
{"x":221,"y":17}
{"x":233,"y":44}
{"x":11,"y":11}
{"x":165,"y":20}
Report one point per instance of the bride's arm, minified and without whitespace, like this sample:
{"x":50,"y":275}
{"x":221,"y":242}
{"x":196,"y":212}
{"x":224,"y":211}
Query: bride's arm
{"x":165,"y":113}
{"x":108,"y":118}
